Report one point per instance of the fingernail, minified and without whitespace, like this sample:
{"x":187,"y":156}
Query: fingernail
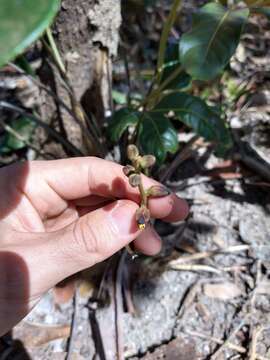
{"x":123,"y":219}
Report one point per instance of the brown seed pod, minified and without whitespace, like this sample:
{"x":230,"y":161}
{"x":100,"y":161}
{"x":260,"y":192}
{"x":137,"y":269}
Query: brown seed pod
{"x":128,"y":170}
{"x":147,"y":161}
{"x":158,"y":191}
{"x":142,"y":217}
{"x":134,"y":180}
{"x":132,"y":152}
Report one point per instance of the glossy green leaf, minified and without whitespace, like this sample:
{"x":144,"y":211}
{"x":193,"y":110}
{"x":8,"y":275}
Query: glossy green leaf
{"x":181,"y":81}
{"x":157,"y":136}
{"x":24,"y":127}
{"x":120,"y":121}
{"x":171,"y":63}
{"x":21,"y":23}
{"x":196,"y":114}
{"x":207,"y":48}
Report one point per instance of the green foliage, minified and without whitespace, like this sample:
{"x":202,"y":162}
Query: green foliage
{"x":201,"y":54}
{"x":171,"y":64}
{"x":157,"y":136}
{"x":215,"y":34}
{"x":263,"y":10}
{"x":119,"y":97}
{"x":9,"y":142}
{"x":120,"y":121}
{"x":195,"y":113}
{"x":21,"y":23}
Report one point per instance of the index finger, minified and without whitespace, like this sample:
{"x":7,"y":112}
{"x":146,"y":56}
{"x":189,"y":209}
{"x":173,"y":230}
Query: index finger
{"x":77,"y":178}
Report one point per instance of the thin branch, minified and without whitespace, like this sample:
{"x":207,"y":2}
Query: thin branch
{"x":164,"y":37}
{"x":18,"y":136}
{"x":119,"y":306}
{"x":74,"y":325}
{"x":228,"y":344}
{"x":183,"y":155}
{"x":55,"y":134}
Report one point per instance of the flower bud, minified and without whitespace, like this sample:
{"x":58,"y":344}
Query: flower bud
{"x":132,"y":152}
{"x":147,"y":161}
{"x":158,"y":191}
{"x":128,"y":169}
{"x":142,"y":217}
{"x":134,"y":180}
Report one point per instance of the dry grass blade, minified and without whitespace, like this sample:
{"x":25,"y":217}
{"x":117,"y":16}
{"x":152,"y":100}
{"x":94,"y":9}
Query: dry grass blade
{"x":207,"y":254}
{"x":195,"y":267}
{"x":255,"y":335}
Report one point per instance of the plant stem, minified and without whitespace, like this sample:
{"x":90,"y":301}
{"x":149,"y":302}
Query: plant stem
{"x":155,"y":94}
{"x":55,"y":52}
{"x":143,"y":194}
{"x":164,"y":37}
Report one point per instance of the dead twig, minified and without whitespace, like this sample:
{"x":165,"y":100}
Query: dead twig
{"x":196,"y":267}
{"x":74,"y":115}
{"x":74,"y":325}
{"x":255,"y":335}
{"x":207,"y":254}
{"x":119,"y":306}
{"x":229,"y":345}
{"x":183,"y":155}
{"x":217,"y":353}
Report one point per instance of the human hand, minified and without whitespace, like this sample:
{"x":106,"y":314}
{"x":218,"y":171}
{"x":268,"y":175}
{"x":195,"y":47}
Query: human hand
{"x":60,"y":217}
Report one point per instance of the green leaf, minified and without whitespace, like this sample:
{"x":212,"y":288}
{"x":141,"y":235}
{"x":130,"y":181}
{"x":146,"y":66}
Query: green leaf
{"x":157,"y":136}
{"x":181,"y":81}
{"x":24,"y":127}
{"x":21,"y":23}
{"x":120,"y":121}
{"x":119,"y":97}
{"x":171,"y":63}
{"x":215,"y":34}
{"x":196,"y":114}
{"x":263,"y":10}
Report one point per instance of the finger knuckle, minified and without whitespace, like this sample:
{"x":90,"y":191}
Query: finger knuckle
{"x":86,"y":237}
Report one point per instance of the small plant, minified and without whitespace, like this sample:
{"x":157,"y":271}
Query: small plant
{"x":198,"y":56}
{"x":142,"y":164}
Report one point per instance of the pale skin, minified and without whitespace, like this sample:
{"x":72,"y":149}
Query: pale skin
{"x":60,"y":217}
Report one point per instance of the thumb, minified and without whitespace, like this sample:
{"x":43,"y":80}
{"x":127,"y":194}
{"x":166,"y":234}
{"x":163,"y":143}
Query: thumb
{"x":91,"y":239}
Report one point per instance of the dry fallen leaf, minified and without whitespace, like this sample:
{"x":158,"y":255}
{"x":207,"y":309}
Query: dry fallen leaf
{"x":223,"y":291}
